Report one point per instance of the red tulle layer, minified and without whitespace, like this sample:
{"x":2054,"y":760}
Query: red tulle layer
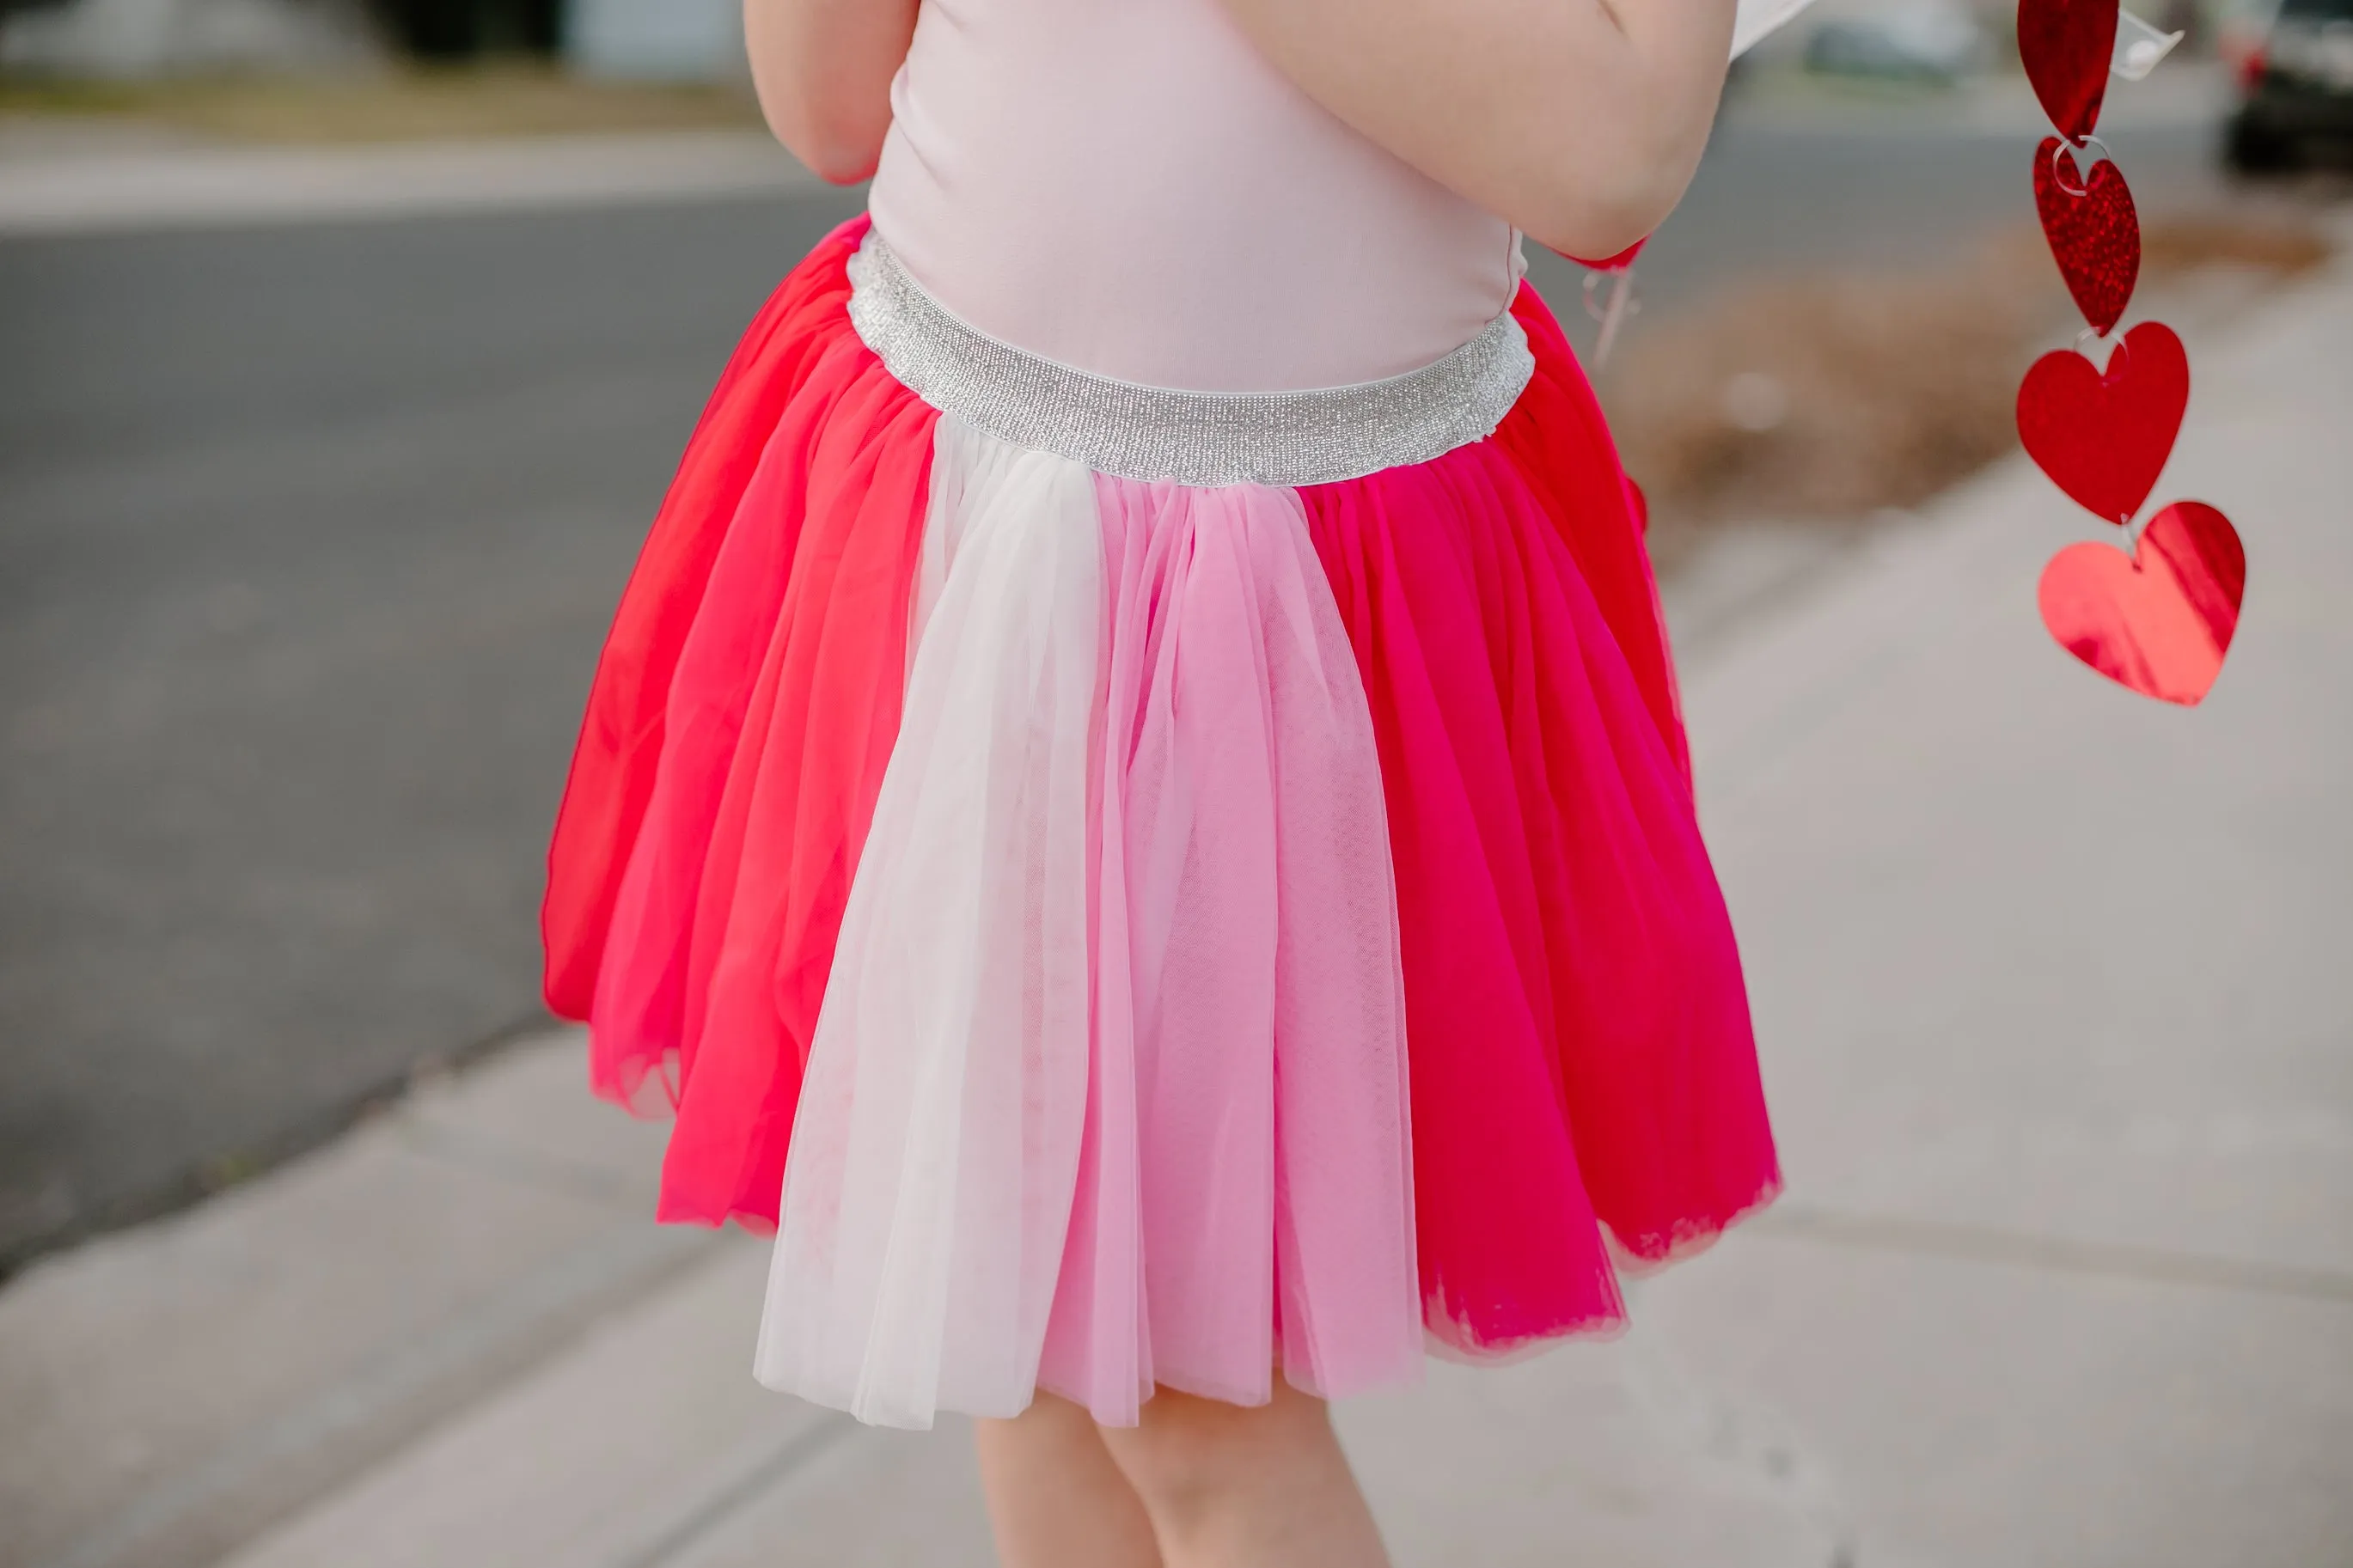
{"x":1577,"y":1029}
{"x":736,"y":734}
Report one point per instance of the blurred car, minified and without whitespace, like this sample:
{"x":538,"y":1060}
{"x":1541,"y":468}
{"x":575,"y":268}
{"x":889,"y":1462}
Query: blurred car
{"x":1935,"y":40}
{"x":2296,"y":86}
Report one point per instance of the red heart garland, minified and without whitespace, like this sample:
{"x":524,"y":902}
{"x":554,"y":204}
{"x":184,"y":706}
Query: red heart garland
{"x":2160,"y":619}
{"x":2104,"y":438}
{"x":2094,"y":233}
{"x":2066,"y":45}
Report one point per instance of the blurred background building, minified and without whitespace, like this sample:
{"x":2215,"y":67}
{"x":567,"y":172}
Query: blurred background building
{"x":130,"y":39}
{"x":677,"y":39}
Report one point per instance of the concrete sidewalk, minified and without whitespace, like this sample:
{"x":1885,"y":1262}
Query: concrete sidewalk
{"x":2051,"y":989}
{"x":2057,"y":1020}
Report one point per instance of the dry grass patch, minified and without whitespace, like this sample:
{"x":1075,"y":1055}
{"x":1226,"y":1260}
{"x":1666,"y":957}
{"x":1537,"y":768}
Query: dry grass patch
{"x":1832,"y":398}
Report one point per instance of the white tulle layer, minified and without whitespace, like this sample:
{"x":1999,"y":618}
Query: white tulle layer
{"x":1109,"y":1088}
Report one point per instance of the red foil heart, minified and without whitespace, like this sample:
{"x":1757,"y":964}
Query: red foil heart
{"x":2158,"y":619}
{"x":2104,"y":438}
{"x":2094,"y":233}
{"x":2066,"y":45}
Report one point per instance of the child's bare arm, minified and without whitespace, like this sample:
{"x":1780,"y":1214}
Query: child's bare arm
{"x":1579,"y":120}
{"x":823,"y":71}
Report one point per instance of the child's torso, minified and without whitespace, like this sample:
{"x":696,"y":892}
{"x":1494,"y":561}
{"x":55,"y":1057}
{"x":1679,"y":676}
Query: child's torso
{"x":1128,"y":187}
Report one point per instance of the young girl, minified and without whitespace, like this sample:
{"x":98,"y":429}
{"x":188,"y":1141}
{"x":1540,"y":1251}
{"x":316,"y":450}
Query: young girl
{"x":1134,"y":807}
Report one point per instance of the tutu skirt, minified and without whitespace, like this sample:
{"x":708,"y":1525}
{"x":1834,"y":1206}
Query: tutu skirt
{"x":1122,"y":932}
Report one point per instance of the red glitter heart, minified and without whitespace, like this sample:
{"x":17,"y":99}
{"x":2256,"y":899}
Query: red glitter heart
{"x":2104,"y":438}
{"x":2158,"y":619}
{"x":2094,"y":232}
{"x":2066,"y":45}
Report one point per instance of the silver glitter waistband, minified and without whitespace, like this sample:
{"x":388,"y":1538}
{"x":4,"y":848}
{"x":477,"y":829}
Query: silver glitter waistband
{"x":1192,"y":437}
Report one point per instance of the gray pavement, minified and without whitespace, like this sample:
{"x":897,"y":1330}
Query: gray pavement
{"x":2054,"y":1018}
{"x":317,"y":486}
{"x":2057,"y":1023}
{"x":171,"y":1391}
{"x":307,"y":536}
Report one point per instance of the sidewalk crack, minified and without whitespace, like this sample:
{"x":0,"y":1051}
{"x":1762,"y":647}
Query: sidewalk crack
{"x":1988,"y":1244}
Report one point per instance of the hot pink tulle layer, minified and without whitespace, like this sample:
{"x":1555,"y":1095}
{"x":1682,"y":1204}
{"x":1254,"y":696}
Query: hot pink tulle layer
{"x":1123,"y":934}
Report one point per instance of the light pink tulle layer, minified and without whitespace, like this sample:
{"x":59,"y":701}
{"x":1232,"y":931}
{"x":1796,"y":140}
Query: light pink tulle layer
{"x":1249,"y":1066}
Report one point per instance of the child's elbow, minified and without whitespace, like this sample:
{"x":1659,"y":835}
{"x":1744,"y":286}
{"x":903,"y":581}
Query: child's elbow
{"x":840,"y":148}
{"x":1592,"y":228}
{"x":840,"y":162}
{"x":1600,"y":173}
{"x":1595,"y":218}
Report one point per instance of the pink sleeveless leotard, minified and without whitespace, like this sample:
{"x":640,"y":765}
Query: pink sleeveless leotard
{"x":1130,"y":189}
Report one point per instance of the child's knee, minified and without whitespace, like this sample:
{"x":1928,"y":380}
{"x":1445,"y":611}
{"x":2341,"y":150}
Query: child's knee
{"x":1191,"y":1459}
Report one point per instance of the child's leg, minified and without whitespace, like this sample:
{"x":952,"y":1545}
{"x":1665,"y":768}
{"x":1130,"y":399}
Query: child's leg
{"x":1229,"y":1487}
{"x":1054,"y":1496}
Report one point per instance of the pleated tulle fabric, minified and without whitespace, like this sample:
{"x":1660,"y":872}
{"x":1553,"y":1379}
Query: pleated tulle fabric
{"x":1176,"y":933}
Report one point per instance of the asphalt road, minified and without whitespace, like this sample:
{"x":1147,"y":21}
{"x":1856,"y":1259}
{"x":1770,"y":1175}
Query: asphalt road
{"x":308,"y":535}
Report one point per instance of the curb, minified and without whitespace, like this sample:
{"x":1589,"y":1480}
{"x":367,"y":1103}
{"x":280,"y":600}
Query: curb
{"x":135,"y":189}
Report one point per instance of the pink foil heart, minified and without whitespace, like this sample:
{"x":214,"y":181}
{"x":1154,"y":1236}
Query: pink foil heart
{"x":2103,"y":438}
{"x":2066,"y":45}
{"x":2159,"y":618}
{"x":2094,"y":233}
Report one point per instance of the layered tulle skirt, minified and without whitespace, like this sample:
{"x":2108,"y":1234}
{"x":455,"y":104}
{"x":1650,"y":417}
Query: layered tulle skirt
{"x":1121,"y":931}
